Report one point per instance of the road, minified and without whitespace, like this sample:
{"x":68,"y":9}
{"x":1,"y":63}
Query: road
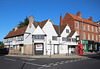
{"x":6,"y":62}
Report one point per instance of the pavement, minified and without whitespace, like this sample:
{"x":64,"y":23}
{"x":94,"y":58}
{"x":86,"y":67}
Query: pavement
{"x":86,"y":55}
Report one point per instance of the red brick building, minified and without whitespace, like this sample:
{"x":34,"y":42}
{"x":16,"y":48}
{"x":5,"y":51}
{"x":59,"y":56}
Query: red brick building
{"x":88,"y":31}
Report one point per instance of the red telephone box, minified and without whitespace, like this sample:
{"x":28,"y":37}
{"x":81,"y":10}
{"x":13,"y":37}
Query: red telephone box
{"x":80,"y":49}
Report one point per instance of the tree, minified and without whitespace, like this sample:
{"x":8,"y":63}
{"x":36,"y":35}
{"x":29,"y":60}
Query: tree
{"x":1,"y":45}
{"x":25,"y":23}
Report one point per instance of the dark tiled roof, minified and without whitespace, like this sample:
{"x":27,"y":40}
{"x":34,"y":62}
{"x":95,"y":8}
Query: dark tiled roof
{"x":41,"y":24}
{"x":56,"y":29}
{"x":71,"y":34}
{"x":22,"y":30}
{"x":62,"y":27}
{"x":19,"y":31}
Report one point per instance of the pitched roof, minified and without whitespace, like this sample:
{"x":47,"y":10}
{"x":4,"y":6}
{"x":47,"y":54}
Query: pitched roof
{"x":81,"y":19}
{"x":56,"y":27}
{"x":71,"y":34}
{"x":62,"y":27}
{"x":41,"y":24}
{"x":19,"y":31}
{"x":22,"y":30}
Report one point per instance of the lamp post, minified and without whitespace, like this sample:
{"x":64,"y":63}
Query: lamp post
{"x":50,"y":47}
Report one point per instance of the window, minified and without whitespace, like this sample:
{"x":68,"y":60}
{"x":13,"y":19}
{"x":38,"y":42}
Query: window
{"x":64,"y":39}
{"x":88,"y":28}
{"x":77,"y":25}
{"x":96,"y":38}
{"x":38,"y":36}
{"x":99,"y":29}
{"x":54,"y":37}
{"x":88,"y":37}
{"x":67,"y":31}
{"x":19,"y":38}
{"x":92,"y":28}
{"x":83,"y":36}
{"x":68,"y":39}
{"x":73,"y":39}
{"x":84,"y":26}
{"x":96,"y":29}
{"x":92,"y":37}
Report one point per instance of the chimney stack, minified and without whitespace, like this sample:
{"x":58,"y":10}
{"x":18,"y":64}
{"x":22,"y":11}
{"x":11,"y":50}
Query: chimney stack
{"x":90,"y":18}
{"x":16,"y":27}
{"x":30,"y":21}
{"x":61,"y":19}
{"x":51,"y":21}
{"x":79,"y":14}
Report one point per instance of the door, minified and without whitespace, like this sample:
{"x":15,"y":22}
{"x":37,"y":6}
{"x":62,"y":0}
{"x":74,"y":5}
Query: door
{"x":39,"y":49}
{"x":55,"y":49}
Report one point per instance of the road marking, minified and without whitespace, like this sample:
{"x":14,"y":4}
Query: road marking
{"x":75,"y":60}
{"x":28,"y":59}
{"x":10,"y":59}
{"x":71,"y":60}
{"x":34,"y":64}
{"x":82,"y":59}
{"x":66,"y":61}
{"x":57,"y":62}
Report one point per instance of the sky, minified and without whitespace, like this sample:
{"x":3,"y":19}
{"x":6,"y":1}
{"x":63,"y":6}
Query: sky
{"x":14,"y":11}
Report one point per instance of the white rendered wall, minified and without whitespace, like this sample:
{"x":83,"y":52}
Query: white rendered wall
{"x":28,"y":37}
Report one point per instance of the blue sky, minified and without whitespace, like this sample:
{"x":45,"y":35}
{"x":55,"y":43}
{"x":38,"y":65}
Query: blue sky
{"x":13,"y":11}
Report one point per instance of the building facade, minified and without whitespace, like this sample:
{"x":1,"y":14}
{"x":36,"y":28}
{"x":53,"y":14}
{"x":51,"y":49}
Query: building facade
{"x":41,"y":38}
{"x":87,"y":30}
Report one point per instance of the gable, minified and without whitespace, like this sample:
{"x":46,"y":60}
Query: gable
{"x":65,"y":33}
{"x":30,"y":30}
{"x":38,"y":31}
{"x":49,"y":28}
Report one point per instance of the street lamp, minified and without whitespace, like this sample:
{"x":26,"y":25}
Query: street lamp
{"x":50,"y":47}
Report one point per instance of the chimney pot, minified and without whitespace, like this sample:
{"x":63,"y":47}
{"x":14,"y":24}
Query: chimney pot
{"x":51,"y":21}
{"x":90,"y":18}
{"x":16,"y":27}
{"x":61,"y":19}
{"x":79,"y":14}
{"x":30,"y":21}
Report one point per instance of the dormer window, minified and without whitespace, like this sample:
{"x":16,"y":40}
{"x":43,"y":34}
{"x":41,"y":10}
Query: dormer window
{"x":67,"y":31}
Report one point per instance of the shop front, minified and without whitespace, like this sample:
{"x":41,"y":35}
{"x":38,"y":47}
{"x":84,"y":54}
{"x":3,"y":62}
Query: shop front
{"x":99,"y":47}
{"x":85,"y":45}
{"x":91,"y":46}
{"x":38,"y":48}
{"x":96,"y":46}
